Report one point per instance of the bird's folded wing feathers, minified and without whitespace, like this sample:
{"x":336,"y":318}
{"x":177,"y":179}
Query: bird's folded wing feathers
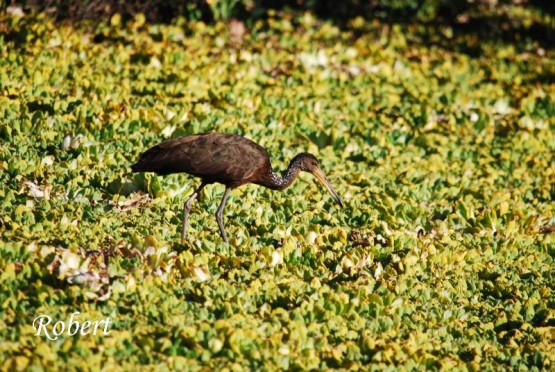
{"x":214,"y":157}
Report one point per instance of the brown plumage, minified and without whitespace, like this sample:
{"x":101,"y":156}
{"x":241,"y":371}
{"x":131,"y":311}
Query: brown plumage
{"x":228,"y":159}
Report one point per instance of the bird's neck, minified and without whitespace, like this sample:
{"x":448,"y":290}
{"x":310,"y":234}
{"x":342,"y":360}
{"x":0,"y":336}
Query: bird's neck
{"x":276,"y":182}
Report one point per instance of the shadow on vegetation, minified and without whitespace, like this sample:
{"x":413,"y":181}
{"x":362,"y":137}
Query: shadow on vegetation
{"x":477,"y":20}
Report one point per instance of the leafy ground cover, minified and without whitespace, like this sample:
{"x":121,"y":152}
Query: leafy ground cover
{"x":441,"y":146}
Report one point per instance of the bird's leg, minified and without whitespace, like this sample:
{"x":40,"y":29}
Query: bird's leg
{"x":219,"y":214}
{"x":187,"y":209}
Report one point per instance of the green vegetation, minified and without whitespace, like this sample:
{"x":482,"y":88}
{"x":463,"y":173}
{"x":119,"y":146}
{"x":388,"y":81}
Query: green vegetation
{"x":441,"y":145}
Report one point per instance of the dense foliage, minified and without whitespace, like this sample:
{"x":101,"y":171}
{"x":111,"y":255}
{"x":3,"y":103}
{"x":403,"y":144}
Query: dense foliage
{"x":440,"y":144}
{"x":448,"y":11}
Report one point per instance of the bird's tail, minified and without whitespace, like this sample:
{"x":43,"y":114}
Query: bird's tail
{"x":138,"y":167}
{"x":145,"y":166}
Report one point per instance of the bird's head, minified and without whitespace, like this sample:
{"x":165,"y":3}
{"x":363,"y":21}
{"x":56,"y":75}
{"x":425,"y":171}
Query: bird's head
{"x":305,"y":162}
{"x":308,"y":163}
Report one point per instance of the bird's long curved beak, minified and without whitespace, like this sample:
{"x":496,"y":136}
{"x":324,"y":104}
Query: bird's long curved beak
{"x":324,"y":181}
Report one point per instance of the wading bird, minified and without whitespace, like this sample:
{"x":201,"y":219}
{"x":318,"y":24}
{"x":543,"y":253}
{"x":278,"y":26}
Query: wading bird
{"x":228,"y":159}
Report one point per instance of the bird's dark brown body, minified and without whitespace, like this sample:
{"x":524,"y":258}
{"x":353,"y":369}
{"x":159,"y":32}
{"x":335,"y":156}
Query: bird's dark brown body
{"x":215,"y":157}
{"x":228,"y":159}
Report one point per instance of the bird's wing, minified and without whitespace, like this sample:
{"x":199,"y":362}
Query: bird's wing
{"x":225,"y":158}
{"x":215,"y":157}
{"x":166,"y":157}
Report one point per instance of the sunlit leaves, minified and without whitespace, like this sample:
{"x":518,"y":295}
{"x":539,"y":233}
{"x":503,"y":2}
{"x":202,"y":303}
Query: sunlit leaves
{"x":442,"y":256}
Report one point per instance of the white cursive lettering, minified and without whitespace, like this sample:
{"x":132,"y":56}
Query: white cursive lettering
{"x":42,"y":324}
